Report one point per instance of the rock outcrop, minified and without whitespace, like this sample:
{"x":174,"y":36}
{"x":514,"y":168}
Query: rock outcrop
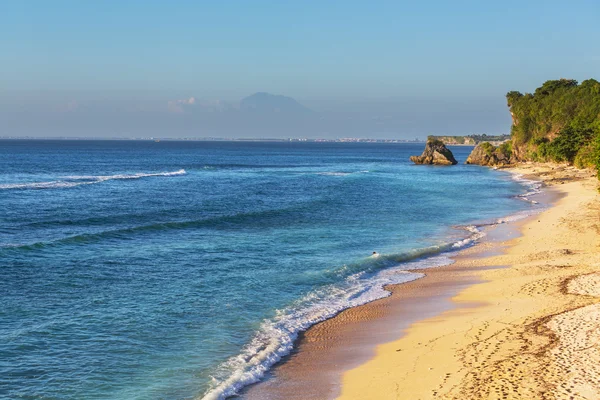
{"x":435,"y":153}
{"x":487,"y":154}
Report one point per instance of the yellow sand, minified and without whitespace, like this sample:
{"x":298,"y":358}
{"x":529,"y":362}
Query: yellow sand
{"x":530,"y":331}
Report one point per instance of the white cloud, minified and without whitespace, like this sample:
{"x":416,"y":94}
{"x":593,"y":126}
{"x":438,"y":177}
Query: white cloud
{"x":178,"y":106}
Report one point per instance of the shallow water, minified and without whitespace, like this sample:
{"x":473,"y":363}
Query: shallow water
{"x":143,"y":270}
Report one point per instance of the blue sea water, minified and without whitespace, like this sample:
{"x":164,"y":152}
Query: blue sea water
{"x":182,"y":270}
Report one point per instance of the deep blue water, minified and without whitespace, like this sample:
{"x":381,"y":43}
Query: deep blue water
{"x":143,"y":270}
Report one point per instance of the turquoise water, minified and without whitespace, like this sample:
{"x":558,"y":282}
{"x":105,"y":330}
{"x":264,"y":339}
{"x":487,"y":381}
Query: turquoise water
{"x":178,"y":270}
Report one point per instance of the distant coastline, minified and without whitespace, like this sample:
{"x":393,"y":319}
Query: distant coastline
{"x":471,"y":140}
{"x":218,"y":139}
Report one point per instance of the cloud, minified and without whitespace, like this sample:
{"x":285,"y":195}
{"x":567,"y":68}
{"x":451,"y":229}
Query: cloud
{"x":178,"y":106}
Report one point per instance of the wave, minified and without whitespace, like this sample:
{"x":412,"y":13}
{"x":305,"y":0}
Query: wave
{"x":276,"y":336}
{"x":78,"y":180}
{"x":295,"y":169}
{"x":335,"y":173}
{"x":533,"y":187}
{"x":476,"y":234}
{"x":257,"y":219}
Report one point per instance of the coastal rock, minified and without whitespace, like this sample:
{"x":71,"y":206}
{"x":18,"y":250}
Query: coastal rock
{"x":435,"y":153}
{"x":487,"y":154}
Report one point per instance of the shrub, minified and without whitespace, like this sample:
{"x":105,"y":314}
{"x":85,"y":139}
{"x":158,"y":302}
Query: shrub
{"x":488,"y":148}
{"x":435,"y":142}
{"x":567,"y":144}
{"x":585,"y":157}
{"x":506,"y":149}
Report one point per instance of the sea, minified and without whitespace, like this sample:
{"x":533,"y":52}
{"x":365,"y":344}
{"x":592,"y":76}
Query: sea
{"x":186,"y":269}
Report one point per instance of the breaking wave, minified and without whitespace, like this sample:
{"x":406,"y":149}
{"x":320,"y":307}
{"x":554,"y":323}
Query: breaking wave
{"x":78,"y":180}
{"x":534,"y":187}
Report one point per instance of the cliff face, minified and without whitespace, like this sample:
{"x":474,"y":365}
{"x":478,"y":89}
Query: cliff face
{"x":465,"y":140}
{"x":520,"y":150}
{"x":435,"y":153}
{"x":471,"y":140}
{"x":490,"y":155}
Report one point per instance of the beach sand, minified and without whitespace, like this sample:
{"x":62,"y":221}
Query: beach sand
{"x":513,"y":318}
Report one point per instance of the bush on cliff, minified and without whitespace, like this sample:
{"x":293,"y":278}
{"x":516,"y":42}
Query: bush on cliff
{"x":488,"y":148}
{"x":566,"y":145}
{"x":586,"y":156}
{"x":506,"y":149}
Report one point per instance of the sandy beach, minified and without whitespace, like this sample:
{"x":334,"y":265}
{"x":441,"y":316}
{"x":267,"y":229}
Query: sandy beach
{"x":517,"y":316}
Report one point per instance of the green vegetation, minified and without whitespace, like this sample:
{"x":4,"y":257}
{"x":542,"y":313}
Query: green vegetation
{"x":506,"y":149}
{"x":451,"y":139}
{"x":559,"y":122}
{"x":489,"y":138}
{"x":488,"y":148}
{"x":586,"y":156}
{"x":435,"y":142}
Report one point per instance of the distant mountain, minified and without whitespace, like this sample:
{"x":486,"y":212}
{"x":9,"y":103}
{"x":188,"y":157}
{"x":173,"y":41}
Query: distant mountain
{"x":258,"y":115}
{"x":269,"y":103}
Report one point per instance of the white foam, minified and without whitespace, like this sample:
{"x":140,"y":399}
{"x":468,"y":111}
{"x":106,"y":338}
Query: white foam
{"x":77,"y":180}
{"x":339,"y":173}
{"x":517,"y":216}
{"x":43,"y":185}
{"x":334,"y":173}
{"x":476,"y":234}
{"x":534,"y":187}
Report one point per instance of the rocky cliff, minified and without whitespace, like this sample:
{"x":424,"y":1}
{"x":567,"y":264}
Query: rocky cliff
{"x":471,"y":140}
{"x":435,"y":153}
{"x":455,"y":140}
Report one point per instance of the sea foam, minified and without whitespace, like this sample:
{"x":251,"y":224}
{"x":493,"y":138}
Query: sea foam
{"x":534,"y":187}
{"x":78,"y":180}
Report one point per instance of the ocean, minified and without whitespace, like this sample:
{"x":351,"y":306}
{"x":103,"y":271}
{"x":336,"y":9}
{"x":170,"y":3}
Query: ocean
{"x":186,"y":269}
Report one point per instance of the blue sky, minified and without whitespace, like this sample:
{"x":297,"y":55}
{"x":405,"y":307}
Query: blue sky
{"x":345,"y":56}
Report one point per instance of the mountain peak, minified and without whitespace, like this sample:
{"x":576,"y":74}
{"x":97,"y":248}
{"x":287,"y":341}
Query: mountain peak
{"x":267,"y":102}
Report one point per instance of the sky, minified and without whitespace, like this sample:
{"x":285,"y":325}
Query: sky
{"x":390,"y":69}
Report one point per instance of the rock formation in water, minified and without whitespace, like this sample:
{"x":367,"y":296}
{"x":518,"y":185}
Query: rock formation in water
{"x":487,"y":154}
{"x":435,"y":153}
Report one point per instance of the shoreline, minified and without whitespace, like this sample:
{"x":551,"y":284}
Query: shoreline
{"x":332,"y":351}
{"x":535,"y":328}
